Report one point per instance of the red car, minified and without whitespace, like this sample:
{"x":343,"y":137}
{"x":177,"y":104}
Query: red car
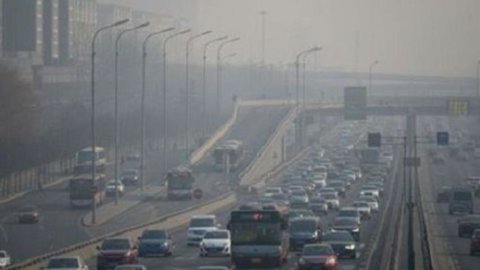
{"x":317,"y":256}
{"x":116,"y":251}
{"x":475,"y":242}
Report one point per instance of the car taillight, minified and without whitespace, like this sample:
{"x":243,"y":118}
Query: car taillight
{"x":330,"y":261}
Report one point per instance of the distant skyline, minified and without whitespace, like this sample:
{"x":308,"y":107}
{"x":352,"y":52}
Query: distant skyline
{"x":429,"y":37}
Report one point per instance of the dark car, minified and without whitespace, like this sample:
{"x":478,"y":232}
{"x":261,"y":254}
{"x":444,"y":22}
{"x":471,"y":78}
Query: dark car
{"x":317,"y":256}
{"x":155,"y":242}
{"x":319,"y":206}
{"x":130,"y":177}
{"x":475,"y":242}
{"x":116,"y":251}
{"x":467,"y":225}
{"x":342,"y":243}
{"x":28,"y":214}
{"x":350,"y":225}
{"x":443,"y":195}
{"x":339,"y":186}
{"x":304,"y":230}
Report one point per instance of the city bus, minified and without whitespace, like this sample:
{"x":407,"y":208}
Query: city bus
{"x":461,"y":200}
{"x":235,"y":151}
{"x":83,"y":160}
{"x":258,"y":238}
{"x":82,"y":190}
{"x":180,"y":183}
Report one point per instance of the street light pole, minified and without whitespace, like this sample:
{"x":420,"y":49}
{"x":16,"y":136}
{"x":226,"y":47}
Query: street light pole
{"x":478,"y":78}
{"x":263,"y":14}
{"x":204,"y":84}
{"x":313,"y":50}
{"x":370,"y":75}
{"x":297,"y":73}
{"x":187,"y":92}
{"x":93,"y":134}
{"x":144,"y":83}
{"x":117,"y":41}
{"x":219,"y":77}
{"x":164,"y":48}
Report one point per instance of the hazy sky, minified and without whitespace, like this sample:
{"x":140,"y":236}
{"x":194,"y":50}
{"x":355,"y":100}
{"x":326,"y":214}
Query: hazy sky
{"x":427,"y":37}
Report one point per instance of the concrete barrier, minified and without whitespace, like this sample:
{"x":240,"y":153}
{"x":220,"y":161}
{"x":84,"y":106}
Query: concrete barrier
{"x":269,"y":157}
{"x":199,"y":153}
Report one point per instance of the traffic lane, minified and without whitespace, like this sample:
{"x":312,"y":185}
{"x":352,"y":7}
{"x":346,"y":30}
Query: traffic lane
{"x":459,"y":247}
{"x":59,"y":226}
{"x":254,"y":126}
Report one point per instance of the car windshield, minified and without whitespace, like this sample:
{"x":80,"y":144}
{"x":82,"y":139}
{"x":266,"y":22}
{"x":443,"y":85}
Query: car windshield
{"x":348,"y":213}
{"x":338,"y":236}
{"x":368,"y":199}
{"x":28,"y":209}
{"x":63,"y":263}
{"x":154,"y":234}
{"x":2,"y":254}
{"x":298,"y":193}
{"x":319,"y":250}
{"x":272,"y":190}
{"x":202,"y":222}
{"x":216,"y":235}
{"x":462,"y":196}
{"x":303,"y":226}
{"x":360,"y":204}
{"x":113,"y":244}
{"x":344,"y":222}
{"x":112,"y":183}
{"x":329,"y":196}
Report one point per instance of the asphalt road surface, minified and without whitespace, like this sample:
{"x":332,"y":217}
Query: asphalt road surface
{"x":59,"y":226}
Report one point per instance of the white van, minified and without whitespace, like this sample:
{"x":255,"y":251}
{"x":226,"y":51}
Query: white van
{"x":199,"y":225}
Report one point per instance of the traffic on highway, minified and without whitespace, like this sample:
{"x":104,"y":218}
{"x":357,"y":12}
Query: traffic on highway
{"x":239,"y":134}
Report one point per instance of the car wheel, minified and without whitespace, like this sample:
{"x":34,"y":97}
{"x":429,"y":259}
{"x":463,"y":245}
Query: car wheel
{"x":169,"y":253}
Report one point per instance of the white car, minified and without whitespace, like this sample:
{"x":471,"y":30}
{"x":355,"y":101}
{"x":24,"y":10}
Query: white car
{"x":372,"y":202}
{"x":199,"y":225}
{"x":331,"y":199}
{"x":112,"y":184}
{"x":364,"y":208}
{"x":215,"y":243}
{"x":370,"y":190}
{"x":271,"y":191}
{"x":4,"y":259}
{"x":66,"y":262}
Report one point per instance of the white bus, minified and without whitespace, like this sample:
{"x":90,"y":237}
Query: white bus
{"x":83,"y":160}
{"x":234,"y":150}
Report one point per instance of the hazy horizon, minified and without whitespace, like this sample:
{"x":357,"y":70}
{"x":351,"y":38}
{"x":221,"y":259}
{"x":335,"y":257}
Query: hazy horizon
{"x":430,"y":37}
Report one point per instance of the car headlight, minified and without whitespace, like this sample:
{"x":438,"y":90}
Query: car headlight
{"x":301,"y":261}
{"x":356,"y":230}
{"x":350,"y":247}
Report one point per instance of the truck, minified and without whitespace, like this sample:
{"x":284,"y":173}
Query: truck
{"x":83,"y":160}
{"x":180,"y":183}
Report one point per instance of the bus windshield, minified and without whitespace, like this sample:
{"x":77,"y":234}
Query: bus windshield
{"x":179,"y":182}
{"x":462,"y":196}
{"x":256,"y":233}
{"x":84,"y":156}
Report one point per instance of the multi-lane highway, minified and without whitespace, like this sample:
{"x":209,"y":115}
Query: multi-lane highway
{"x":187,"y":257}
{"x":452,"y":172}
{"x":59,"y":226}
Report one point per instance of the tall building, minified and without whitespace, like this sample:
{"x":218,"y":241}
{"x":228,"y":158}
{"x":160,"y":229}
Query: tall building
{"x":51,"y":31}
{"x":77,"y":21}
{"x":22,"y":35}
